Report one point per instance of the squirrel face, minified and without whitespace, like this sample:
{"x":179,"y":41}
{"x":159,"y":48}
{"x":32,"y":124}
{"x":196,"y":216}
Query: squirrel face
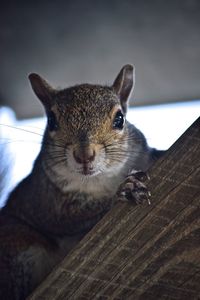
{"x":86,"y":132}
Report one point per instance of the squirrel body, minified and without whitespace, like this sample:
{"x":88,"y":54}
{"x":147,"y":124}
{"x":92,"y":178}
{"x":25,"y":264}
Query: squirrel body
{"x":88,"y":152}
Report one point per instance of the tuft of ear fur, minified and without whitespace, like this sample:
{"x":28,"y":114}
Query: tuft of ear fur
{"x":124,"y":84}
{"x":42,"y":90}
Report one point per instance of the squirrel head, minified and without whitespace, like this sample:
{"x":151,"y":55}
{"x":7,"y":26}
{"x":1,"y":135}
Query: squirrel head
{"x":86,"y":130}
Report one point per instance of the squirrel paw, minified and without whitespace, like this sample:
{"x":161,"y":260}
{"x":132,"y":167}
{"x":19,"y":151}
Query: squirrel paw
{"x":133,"y":189}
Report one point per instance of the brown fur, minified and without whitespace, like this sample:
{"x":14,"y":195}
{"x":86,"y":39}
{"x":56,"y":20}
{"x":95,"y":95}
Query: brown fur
{"x":51,"y":209}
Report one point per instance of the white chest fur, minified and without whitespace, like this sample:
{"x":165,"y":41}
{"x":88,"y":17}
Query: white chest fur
{"x":98,"y":186}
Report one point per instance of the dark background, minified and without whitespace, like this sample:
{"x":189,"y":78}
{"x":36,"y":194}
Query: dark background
{"x":77,"y":41}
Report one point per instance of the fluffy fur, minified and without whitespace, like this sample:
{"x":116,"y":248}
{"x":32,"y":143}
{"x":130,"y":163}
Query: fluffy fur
{"x":74,"y":182}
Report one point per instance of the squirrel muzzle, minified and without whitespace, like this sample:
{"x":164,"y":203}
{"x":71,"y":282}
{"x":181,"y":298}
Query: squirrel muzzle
{"x":85,"y":156}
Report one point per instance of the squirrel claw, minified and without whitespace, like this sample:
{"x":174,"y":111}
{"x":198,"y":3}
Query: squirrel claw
{"x":140,"y":175}
{"x":134,"y":190}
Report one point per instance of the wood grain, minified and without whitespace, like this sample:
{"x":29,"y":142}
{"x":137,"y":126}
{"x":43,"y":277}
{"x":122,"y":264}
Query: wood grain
{"x":142,"y":252}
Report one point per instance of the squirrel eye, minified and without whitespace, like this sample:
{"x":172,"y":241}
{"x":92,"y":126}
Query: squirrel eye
{"x":51,"y":121}
{"x":118,"y":122}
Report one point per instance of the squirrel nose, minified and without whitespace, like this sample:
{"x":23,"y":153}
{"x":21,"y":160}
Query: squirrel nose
{"x":84,"y":156}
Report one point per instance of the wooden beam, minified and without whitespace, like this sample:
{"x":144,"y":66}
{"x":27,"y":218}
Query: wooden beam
{"x":142,"y":252}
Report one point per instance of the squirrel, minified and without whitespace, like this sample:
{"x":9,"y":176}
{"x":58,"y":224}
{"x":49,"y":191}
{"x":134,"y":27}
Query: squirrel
{"x":91,"y":157}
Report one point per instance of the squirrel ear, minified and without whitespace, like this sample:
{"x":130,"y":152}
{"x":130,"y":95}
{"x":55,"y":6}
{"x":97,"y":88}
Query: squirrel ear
{"x":43,"y":90}
{"x":124,"y":83}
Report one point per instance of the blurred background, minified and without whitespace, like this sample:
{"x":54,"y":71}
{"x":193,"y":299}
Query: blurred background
{"x":74,"y":41}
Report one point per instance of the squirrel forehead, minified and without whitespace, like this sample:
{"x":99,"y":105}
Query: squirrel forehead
{"x":87,"y":97}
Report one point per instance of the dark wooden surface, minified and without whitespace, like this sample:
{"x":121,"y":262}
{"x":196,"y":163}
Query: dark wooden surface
{"x":144,"y":252}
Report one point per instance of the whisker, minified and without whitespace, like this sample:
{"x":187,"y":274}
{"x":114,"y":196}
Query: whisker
{"x":22,"y":129}
{"x":56,"y":162}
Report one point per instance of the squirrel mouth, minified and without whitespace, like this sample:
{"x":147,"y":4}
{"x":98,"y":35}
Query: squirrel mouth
{"x":87,"y":170}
